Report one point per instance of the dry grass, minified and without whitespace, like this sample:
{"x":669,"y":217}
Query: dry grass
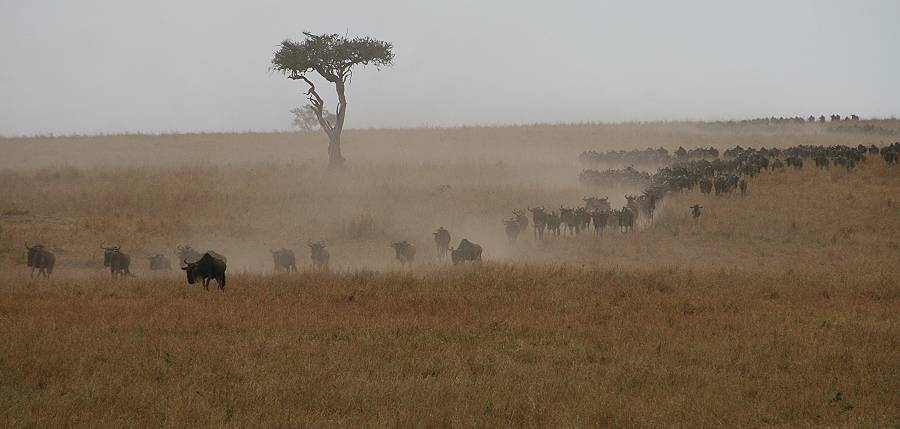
{"x":756,"y":316}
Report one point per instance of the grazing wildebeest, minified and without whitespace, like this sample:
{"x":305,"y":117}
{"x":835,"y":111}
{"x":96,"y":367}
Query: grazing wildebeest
{"x":319,"y":254}
{"x":117,"y":261}
{"x":743,"y":186}
{"x":539,"y":219}
{"x":466,"y":251}
{"x":441,"y":241}
{"x":405,"y":252}
{"x":695,"y":211}
{"x":186,"y":252}
{"x":40,"y":259}
{"x":284,"y":260}
{"x":599,"y":218}
{"x":210,"y":266}
{"x":159,"y":262}
{"x":512,"y":229}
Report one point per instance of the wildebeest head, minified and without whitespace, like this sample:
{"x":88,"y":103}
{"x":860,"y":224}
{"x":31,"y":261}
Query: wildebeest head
{"x":108,"y":253}
{"x":695,"y":210}
{"x":404,"y":250}
{"x":191,"y":269}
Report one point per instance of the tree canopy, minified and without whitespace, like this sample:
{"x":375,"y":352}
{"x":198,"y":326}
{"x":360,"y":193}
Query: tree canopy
{"x":330,"y":55}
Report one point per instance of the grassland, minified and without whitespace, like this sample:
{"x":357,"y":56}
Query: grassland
{"x":757,"y":315}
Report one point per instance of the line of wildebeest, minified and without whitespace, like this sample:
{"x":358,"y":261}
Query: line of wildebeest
{"x":210,"y":265}
{"x":684,"y":173}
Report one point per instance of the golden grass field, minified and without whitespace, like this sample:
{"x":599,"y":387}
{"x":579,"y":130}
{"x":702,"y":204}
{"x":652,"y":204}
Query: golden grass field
{"x":755,"y":316}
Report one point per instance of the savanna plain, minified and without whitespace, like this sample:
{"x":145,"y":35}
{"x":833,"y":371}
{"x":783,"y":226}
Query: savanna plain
{"x":780,"y":308}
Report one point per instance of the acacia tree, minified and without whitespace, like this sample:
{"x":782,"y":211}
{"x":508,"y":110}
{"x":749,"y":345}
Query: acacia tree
{"x":333,"y":57}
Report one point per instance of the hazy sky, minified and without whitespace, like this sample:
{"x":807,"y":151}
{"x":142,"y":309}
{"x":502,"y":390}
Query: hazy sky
{"x":154,"y":66}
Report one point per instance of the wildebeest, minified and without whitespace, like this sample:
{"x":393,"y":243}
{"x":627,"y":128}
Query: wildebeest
{"x":466,"y":251}
{"x":594,"y":203}
{"x":319,"y":254}
{"x":625,"y":218}
{"x":706,"y":185}
{"x":40,"y":259}
{"x":159,"y":262}
{"x":743,"y":186}
{"x":117,"y":261}
{"x":512,"y":229}
{"x":599,"y":218}
{"x":695,"y":211}
{"x":186,"y":252}
{"x":284,"y":260}
{"x":441,"y":241}
{"x":405,"y":252}
{"x":539,"y":219}
{"x":794,"y":161}
{"x":553,"y":221}
{"x":520,"y":217}
{"x":570,"y":220}
{"x":210,"y":266}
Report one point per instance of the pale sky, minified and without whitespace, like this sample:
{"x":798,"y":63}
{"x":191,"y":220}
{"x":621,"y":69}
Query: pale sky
{"x":108,"y":66}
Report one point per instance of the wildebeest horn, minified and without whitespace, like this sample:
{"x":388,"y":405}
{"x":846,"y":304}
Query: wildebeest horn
{"x":185,"y":262}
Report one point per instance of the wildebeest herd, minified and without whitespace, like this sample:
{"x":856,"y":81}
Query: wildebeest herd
{"x":684,"y":171}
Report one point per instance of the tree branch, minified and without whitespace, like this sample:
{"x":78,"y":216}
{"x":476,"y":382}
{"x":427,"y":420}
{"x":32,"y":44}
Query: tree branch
{"x":318,"y":106}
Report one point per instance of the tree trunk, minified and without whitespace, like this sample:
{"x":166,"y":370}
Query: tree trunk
{"x":335,"y":159}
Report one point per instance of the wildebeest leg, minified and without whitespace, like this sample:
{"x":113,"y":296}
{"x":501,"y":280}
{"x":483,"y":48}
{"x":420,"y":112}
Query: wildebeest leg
{"x":221,"y":282}
{"x":206,"y":283}
{"x":32,"y":272}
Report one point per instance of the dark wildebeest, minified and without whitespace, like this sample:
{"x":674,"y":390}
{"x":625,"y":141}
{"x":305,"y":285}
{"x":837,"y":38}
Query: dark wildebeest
{"x":539,"y":219}
{"x":441,"y":241}
{"x":743,"y":186}
{"x":625,"y":218}
{"x":159,"y":262}
{"x":794,"y":161}
{"x":570,"y":220}
{"x":40,"y":259}
{"x":777,"y":165}
{"x":186,"y":252}
{"x":405,"y":252}
{"x":706,"y":185}
{"x":599,"y":218}
{"x":466,"y":251}
{"x":319,"y":254}
{"x":512,"y":229}
{"x":553,"y":222}
{"x":285,"y":260}
{"x":695,"y":211}
{"x":117,"y":261}
{"x":210,"y":266}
